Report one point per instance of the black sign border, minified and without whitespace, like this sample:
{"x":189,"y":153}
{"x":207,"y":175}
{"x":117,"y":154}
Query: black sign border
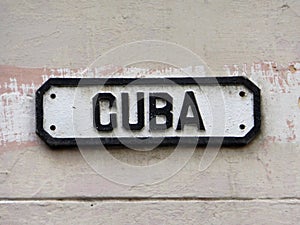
{"x":202,"y":141}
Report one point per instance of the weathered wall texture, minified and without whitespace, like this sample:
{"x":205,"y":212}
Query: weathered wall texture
{"x":255,"y":184}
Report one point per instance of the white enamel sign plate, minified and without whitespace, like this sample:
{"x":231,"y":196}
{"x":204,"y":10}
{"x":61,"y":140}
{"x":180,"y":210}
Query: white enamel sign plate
{"x":121,"y":111}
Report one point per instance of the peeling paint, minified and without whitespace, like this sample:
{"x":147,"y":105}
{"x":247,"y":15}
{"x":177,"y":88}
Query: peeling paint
{"x":277,"y":78}
{"x":18,"y":86}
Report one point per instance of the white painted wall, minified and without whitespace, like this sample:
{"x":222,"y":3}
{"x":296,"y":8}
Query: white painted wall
{"x":255,"y":184}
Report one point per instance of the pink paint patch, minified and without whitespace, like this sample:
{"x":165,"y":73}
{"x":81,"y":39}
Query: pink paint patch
{"x":17,"y":100}
{"x":282,"y":78}
{"x":292,"y":134}
{"x":18,"y":86}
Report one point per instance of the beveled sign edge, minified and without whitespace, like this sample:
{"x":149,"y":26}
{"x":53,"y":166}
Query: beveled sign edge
{"x":201,"y":141}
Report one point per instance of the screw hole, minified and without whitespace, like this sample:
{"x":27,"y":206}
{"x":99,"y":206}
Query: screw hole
{"x":242,"y":93}
{"x":52,"y":127}
{"x":242,"y":126}
{"x":53,"y":96}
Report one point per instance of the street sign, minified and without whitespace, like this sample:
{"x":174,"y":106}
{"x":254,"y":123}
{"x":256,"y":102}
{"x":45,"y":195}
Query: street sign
{"x":116,"y":111}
